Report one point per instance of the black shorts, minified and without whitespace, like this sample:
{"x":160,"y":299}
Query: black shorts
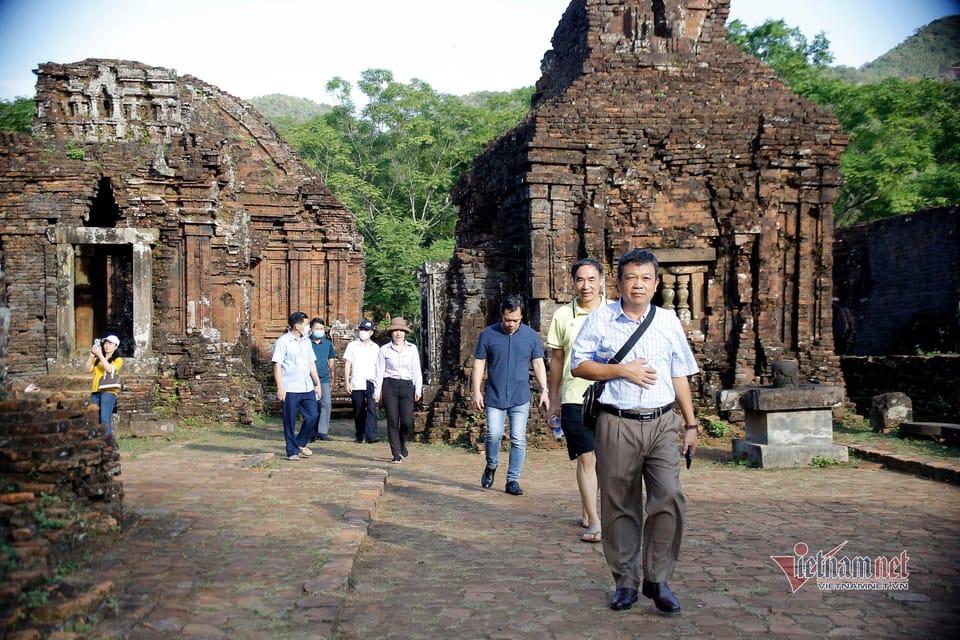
{"x":579,"y":438}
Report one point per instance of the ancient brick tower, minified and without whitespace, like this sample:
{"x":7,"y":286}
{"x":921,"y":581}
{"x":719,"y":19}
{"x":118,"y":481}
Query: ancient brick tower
{"x":168,"y":212}
{"x":649,"y":130}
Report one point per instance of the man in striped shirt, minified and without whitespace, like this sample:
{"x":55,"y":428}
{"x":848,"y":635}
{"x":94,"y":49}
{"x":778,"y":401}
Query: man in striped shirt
{"x":637,"y":431}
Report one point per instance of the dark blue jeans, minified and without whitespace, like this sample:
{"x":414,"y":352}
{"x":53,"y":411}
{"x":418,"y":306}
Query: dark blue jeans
{"x":306,"y":404}
{"x":364,"y":414}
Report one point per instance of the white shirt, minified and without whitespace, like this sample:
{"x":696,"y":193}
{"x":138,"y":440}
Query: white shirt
{"x":402,"y":364}
{"x":363,"y":363}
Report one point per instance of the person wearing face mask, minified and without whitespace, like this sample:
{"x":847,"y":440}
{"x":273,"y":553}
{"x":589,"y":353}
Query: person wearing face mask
{"x":323,"y":348}
{"x":298,"y":385}
{"x":104,"y":359}
{"x":400,"y":382}
{"x":359,"y":372}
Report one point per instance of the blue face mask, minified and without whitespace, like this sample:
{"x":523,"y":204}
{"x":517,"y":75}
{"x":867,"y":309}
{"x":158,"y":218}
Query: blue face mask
{"x":319,"y":333}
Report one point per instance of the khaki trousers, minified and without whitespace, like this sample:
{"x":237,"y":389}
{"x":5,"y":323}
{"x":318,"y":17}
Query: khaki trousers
{"x":631,"y":454}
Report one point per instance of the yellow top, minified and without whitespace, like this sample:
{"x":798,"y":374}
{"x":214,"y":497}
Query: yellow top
{"x":99,"y":371}
{"x":564,"y":327}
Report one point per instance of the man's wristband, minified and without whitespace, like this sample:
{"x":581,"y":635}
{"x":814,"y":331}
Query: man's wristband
{"x":692,"y":426}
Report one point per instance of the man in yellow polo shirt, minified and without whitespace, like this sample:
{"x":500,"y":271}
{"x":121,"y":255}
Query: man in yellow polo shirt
{"x":566,"y":392}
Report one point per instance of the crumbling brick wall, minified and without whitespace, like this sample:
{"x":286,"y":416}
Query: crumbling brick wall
{"x":649,"y":130}
{"x":60,"y":493}
{"x":215,"y":231}
{"x":897,"y":284}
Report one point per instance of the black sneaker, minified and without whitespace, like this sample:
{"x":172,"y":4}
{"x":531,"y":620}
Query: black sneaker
{"x":487,"y":480}
{"x":403,"y":451}
{"x":324,"y":436}
{"x":396,"y":460}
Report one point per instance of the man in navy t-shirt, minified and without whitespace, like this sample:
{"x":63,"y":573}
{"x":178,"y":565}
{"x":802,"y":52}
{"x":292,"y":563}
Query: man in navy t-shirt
{"x":506,"y":350}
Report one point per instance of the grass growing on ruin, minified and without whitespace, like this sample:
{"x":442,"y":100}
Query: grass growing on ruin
{"x":856,"y":430}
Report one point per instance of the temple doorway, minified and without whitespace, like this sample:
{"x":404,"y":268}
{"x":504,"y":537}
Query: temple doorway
{"x":103,"y":295}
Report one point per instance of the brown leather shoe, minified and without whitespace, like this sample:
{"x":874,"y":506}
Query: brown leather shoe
{"x":661,"y":595}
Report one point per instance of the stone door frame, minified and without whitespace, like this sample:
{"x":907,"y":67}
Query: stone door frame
{"x":141,"y":240}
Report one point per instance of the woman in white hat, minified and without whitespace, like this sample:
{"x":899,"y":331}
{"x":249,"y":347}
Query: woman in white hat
{"x":104,"y":360}
{"x":400,"y":382}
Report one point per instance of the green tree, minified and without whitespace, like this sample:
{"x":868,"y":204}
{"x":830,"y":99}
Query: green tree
{"x":16,"y":115}
{"x":904,"y":150}
{"x":787,"y":51}
{"x":393,"y":163}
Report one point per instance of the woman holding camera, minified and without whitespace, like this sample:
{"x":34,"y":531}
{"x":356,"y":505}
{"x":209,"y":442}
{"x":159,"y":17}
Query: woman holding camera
{"x":104,"y":361}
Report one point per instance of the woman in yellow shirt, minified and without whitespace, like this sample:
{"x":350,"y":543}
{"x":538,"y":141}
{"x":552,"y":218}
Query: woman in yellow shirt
{"x":103,"y":360}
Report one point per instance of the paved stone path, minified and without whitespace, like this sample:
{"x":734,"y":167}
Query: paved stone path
{"x":225,"y":551}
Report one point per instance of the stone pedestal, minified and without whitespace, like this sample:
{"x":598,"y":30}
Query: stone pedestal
{"x":789,"y":427}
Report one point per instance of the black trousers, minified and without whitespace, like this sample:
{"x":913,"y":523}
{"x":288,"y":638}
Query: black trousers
{"x":397,"y":397}
{"x":364,"y":413}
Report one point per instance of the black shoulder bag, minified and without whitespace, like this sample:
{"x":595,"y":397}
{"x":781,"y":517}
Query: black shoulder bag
{"x":591,"y":397}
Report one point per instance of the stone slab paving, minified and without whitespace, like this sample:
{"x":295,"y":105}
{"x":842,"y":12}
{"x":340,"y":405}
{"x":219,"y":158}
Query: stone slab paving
{"x":447,"y":559}
{"x":228,"y":551}
{"x":234,"y":541}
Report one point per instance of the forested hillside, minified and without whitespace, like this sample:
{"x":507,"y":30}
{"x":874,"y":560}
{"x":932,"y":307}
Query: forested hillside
{"x":932,"y":52}
{"x":279,"y":107}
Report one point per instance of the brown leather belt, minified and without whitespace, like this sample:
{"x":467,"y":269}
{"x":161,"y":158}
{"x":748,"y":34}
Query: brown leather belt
{"x":643,"y":414}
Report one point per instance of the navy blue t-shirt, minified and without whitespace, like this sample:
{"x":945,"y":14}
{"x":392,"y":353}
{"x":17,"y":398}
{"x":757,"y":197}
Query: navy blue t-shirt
{"x":508,"y":364}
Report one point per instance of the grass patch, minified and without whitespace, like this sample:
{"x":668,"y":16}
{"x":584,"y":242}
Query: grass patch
{"x":857,"y":431}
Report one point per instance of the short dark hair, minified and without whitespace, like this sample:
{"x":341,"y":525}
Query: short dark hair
{"x":296,"y":318}
{"x":317,"y":321}
{"x":511,"y":303}
{"x":638,"y":256}
{"x":585,"y":262}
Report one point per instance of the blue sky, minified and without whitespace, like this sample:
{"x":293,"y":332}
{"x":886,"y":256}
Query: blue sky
{"x":250,"y":48}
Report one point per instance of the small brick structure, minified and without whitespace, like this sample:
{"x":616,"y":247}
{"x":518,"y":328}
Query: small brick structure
{"x":649,"y":130}
{"x":161,"y":209}
{"x":61,"y":496}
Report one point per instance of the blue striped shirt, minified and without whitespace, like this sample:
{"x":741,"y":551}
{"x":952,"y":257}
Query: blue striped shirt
{"x":664,"y":346}
{"x":294,"y":355}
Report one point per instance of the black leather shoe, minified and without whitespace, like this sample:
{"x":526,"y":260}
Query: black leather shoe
{"x":662,"y":597}
{"x":623,"y":598}
{"x":487,"y":480}
{"x":324,"y":437}
{"x":513,"y":488}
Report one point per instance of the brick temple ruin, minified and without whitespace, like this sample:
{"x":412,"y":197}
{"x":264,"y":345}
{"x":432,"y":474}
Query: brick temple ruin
{"x":649,"y":130}
{"x":163,"y":210}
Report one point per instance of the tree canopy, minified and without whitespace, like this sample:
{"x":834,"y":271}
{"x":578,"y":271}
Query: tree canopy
{"x":393,"y":162}
{"x":904,"y":150}
{"x":16,"y":115}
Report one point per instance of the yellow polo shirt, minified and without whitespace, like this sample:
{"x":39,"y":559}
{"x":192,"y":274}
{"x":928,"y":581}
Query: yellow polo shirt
{"x":564,"y":327}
